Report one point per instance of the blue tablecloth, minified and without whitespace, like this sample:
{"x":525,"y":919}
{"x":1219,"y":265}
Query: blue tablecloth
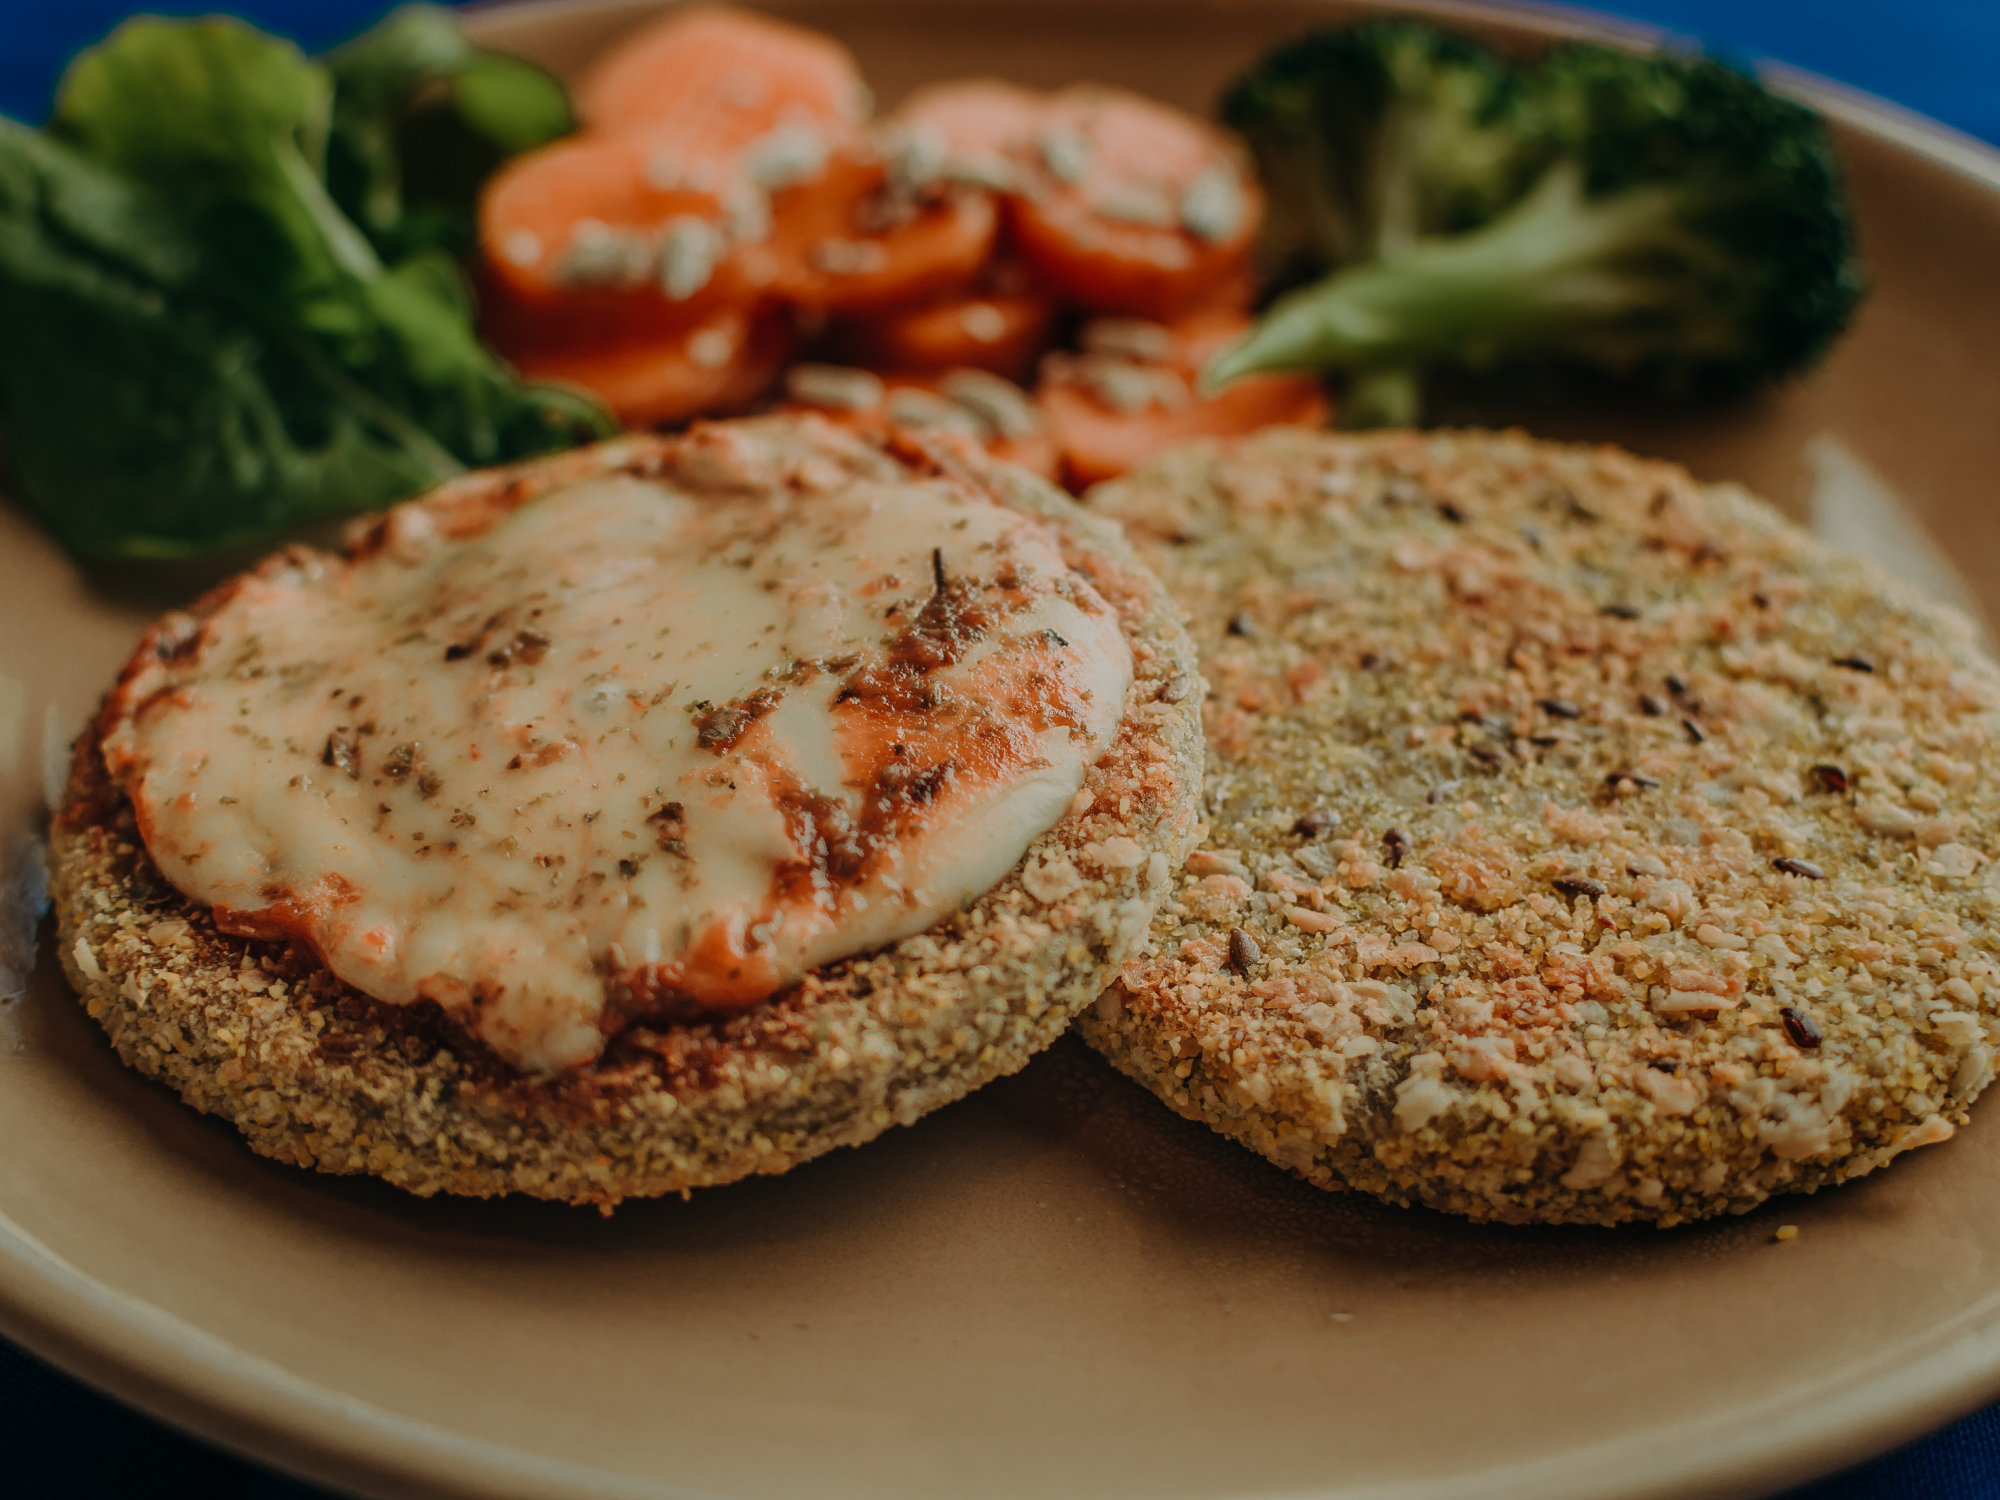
{"x":60,"y":1439}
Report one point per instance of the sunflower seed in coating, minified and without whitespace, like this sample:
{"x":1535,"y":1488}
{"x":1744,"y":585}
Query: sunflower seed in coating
{"x":1694,"y":734}
{"x":1830,"y":779}
{"x":1486,"y":755}
{"x":1395,"y":844}
{"x":1578,"y":885}
{"x":1315,"y":860}
{"x":1451,"y":513}
{"x":1803,"y":867}
{"x":1243,"y":950}
{"x":1241,"y":624}
{"x":1854,"y":663}
{"x":1800,"y":1027}
{"x":1311,"y":825}
{"x":1560,"y":708}
{"x":1650,"y":706}
{"x":1677,"y":687}
{"x":1174,"y":689}
{"x":1620,"y":611}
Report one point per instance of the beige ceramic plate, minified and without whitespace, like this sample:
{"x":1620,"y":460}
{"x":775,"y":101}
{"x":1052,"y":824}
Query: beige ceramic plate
{"x":1055,"y":1288}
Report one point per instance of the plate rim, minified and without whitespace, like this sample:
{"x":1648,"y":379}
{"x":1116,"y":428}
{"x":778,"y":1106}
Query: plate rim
{"x":206,"y":1387}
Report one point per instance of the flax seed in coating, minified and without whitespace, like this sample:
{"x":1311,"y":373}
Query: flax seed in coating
{"x":1801,"y":1028}
{"x":1244,"y":951}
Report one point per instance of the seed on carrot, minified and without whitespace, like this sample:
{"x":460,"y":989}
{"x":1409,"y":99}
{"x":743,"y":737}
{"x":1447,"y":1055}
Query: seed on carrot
{"x":848,"y":241}
{"x":1110,"y":411}
{"x":980,"y":129}
{"x":578,"y":232}
{"x":1001,"y":325}
{"x":721,"y":364}
{"x":1133,"y":207}
{"x":966,"y":408}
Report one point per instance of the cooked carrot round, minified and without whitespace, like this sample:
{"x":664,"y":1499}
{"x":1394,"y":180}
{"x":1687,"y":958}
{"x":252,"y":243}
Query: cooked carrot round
{"x":966,"y":407}
{"x":985,"y":127}
{"x":986,"y":329}
{"x":846,"y":240}
{"x":1132,"y":393}
{"x":722,"y":364}
{"x":1037,"y":454}
{"x":1135,"y":207}
{"x":582,"y":232}
{"x":722,"y":77}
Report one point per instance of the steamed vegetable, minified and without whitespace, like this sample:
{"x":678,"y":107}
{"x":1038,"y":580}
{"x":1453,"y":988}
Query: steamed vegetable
{"x":1661,"y":219}
{"x":1372,"y":137}
{"x":420,"y":119}
{"x":201,"y":347}
{"x":1128,"y":395}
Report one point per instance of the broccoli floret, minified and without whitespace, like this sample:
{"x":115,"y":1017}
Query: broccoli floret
{"x":1370,"y":137}
{"x":1682,"y":227}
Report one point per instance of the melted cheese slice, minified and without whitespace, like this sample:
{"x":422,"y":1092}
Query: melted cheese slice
{"x":631,"y":753}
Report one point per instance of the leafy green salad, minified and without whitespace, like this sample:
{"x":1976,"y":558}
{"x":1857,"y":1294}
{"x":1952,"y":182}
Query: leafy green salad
{"x":227,"y":285}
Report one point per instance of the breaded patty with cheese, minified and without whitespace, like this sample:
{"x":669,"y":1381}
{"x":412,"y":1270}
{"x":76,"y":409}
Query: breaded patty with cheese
{"x":636,"y":819}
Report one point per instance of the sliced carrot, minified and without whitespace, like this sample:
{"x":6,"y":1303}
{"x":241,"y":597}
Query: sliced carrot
{"x":1112,"y":409}
{"x":1002,"y":325}
{"x":721,"y":365}
{"x":578,"y":233}
{"x":1235,"y":293}
{"x":851,"y":240}
{"x":1135,"y":207}
{"x":967,"y":407}
{"x":985,"y":127}
{"x":722,"y":77}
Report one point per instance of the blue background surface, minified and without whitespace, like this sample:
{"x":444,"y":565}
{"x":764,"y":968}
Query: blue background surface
{"x":1940,"y":57}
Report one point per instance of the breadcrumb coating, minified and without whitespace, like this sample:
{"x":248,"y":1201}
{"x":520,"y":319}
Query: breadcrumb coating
{"x":315,"y":1073}
{"x":1585,"y":844}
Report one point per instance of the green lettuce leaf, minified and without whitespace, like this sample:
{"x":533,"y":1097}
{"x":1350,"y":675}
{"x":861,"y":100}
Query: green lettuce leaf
{"x":421,"y":118}
{"x":201,"y":349}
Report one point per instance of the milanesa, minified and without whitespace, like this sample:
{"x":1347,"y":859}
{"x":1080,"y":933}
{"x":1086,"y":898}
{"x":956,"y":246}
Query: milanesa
{"x":1585,"y":844}
{"x":636,"y":819}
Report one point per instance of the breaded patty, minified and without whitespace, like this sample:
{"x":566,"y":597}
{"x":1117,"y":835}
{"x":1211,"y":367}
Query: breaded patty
{"x":1585,"y":844}
{"x":317,"y":1073}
